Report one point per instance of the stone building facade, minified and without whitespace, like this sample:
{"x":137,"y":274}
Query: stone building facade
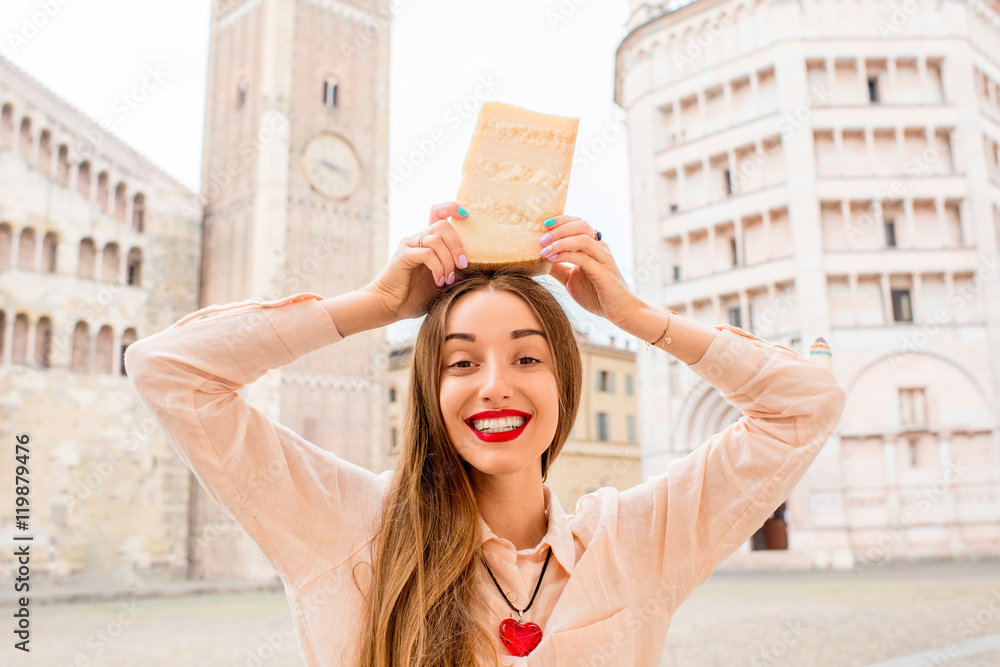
{"x":95,"y":253}
{"x":830,"y":168}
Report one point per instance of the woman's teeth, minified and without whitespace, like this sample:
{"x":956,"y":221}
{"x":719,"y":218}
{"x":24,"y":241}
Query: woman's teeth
{"x":498,"y":425}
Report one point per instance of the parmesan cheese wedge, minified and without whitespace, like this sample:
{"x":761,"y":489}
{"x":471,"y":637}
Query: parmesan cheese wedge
{"x":515,"y":177}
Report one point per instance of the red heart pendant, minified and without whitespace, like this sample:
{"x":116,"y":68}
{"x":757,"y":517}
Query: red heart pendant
{"x":519,"y":639}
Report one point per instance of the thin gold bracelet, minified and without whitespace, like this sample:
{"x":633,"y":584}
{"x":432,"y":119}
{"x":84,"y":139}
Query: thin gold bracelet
{"x":668,"y":341}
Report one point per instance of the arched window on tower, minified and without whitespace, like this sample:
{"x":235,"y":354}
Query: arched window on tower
{"x":83,"y":179}
{"x":88,"y":255}
{"x":105,"y":351}
{"x":241,"y":94}
{"x":110,"y":264}
{"x":81,"y":348}
{"x":330,"y":92}
{"x":128,"y":338}
{"x":19,"y":350}
{"x":45,"y":153}
{"x":26,"y":250}
{"x":62,"y":170}
{"x":120,"y":202}
{"x":134,"y":276}
{"x":139,"y":212}
{"x":43,"y":343}
{"x":49,"y":247}
{"x":6,"y":246}
{"x":25,"y":142}
{"x":7,"y":126}
{"x":102,"y":191}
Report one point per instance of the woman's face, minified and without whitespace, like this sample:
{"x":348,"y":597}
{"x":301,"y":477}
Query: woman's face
{"x":496,"y":358}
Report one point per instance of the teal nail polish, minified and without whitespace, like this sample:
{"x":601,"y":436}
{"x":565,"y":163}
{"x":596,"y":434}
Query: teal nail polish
{"x":550,"y":222}
{"x":462,"y":212}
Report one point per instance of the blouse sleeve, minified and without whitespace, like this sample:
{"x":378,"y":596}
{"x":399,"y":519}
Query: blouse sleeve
{"x":305,"y":508}
{"x":677,"y":527}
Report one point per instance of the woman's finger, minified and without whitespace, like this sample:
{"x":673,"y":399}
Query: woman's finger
{"x":437,"y":244}
{"x":444,"y":229}
{"x":446,"y":210}
{"x":429,"y":258}
{"x":579,"y":242}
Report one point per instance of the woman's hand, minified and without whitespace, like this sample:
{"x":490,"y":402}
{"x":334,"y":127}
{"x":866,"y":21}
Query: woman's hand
{"x":422,"y":264}
{"x":589,"y":273}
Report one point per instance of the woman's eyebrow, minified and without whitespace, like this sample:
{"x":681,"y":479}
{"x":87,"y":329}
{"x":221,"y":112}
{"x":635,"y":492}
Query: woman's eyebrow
{"x":517,"y":333}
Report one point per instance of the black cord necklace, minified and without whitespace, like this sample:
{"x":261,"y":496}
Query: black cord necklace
{"x":518,"y":637}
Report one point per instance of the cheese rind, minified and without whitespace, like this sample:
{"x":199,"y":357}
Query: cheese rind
{"x":515,"y":177}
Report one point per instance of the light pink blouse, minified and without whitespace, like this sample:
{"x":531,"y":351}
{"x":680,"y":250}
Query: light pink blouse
{"x":620,"y":565}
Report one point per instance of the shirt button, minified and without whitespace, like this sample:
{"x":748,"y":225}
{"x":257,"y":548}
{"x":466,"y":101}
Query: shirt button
{"x":511,"y":597}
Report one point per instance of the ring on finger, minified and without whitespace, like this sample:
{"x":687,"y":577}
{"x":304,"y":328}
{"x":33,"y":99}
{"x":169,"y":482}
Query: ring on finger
{"x":597,"y":235}
{"x":420,"y":240}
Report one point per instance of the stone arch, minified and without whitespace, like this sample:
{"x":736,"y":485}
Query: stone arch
{"x":88,"y":257}
{"x":25,"y":140}
{"x":134,"y":267}
{"x":83,"y":179}
{"x":50,"y":247}
{"x":45,"y":152}
{"x":7,"y":126}
{"x":139,"y":212}
{"x":102,"y":191}
{"x":6,"y":246}
{"x":105,"y":362}
{"x":43,"y":342}
{"x":62,"y":166}
{"x":954,"y":397}
{"x":19,"y":346}
{"x":120,"y":202}
{"x":81,"y":348}
{"x":128,"y":338}
{"x":111,"y":263}
{"x":26,"y":250}
{"x":704,"y":414}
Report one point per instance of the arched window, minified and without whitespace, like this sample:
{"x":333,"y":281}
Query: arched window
{"x":105,"y":351}
{"x":139,"y":212}
{"x":102,"y":191}
{"x":43,"y":343}
{"x":25,"y":143}
{"x":241,"y":95}
{"x":45,"y":152}
{"x":6,"y":246}
{"x":134,"y":269}
{"x":81,"y":348}
{"x":110,"y":264}
{"x":49,"y":247}
{"x":88,"y":255}
{"x":83,"y":179}
{"x":26,"y":250}
{"x":120,"y":202}
{"x":128,"y":338}
{"x":7,"y":126}
{"x":62,"y":170}
{"x":330,"y":92}
{"x":19,"y":350}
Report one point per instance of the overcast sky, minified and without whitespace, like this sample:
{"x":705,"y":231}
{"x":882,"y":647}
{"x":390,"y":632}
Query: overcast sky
{"x":552,"y":56}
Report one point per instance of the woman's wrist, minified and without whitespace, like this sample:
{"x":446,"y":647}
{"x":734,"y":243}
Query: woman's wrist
{"x":356,"y":311}
{"x":689,"y":339}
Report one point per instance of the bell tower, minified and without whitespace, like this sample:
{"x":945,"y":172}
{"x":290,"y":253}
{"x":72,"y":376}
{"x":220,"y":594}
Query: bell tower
{"x":294,"y":187}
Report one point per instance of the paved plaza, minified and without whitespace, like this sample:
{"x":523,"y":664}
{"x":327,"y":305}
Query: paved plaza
{"x":795,"y":619}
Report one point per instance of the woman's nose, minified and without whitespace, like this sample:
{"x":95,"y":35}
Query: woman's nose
{"x":496,"y":384}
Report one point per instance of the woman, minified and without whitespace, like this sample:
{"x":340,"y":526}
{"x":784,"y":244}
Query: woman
{"x":462,"y":555}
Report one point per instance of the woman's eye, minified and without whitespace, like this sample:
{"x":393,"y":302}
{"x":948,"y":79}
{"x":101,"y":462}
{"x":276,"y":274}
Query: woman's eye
{"x":456,"y":364}
{"x":530,"y":359}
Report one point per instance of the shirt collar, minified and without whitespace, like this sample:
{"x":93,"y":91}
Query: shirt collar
{"x":559,"y":535}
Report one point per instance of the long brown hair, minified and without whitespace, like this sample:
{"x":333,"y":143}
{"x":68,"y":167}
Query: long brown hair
{"x":422,"y":610}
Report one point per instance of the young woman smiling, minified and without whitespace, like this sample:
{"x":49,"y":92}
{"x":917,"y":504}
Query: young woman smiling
{"x":462,"y":555}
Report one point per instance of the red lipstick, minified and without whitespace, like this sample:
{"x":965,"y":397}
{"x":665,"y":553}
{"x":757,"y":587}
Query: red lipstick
{"x":496,"y":414}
